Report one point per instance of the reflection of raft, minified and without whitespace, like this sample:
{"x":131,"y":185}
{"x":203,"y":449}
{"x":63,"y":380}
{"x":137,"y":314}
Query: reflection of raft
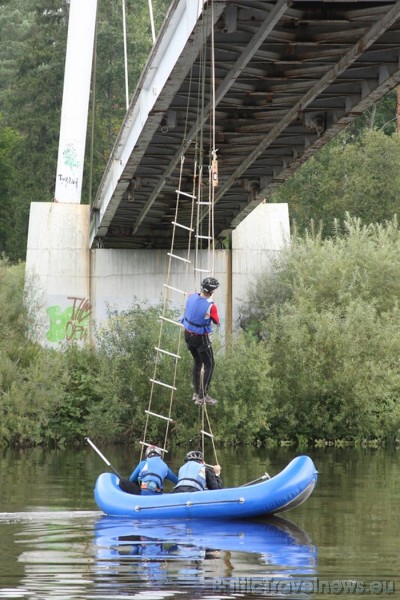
{"x":280,"y":541}
{"x":288,"y":489}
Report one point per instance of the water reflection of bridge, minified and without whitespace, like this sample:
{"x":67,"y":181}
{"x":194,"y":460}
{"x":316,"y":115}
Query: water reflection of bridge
{"x":289,"y":76}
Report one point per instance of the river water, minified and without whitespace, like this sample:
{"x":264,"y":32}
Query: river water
{"x":55,"y":544}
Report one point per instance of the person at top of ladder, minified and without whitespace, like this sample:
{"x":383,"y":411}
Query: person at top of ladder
{"x":151,"y":472}
{"x":200,"y":313}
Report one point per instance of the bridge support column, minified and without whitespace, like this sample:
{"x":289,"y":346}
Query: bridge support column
{"x":256,"y":243}
{"x":58,"y":271}
{"x":75,"y":104}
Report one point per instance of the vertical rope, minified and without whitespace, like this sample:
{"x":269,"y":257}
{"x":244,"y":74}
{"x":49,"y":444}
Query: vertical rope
{"x":125,"y":54}
{"x":214,"y":162}
{"x":212,"y":436}
{"x":153,"y":31}
{"x":212,"y":183}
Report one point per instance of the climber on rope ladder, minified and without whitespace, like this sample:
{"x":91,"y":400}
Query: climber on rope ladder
{"x":200,"y":312}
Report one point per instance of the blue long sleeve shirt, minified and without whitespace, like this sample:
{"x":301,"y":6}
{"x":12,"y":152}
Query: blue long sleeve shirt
{"x":153,"y":467}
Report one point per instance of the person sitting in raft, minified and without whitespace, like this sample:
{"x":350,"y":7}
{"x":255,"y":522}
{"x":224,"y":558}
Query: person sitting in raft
{"x":195,"y":475}
{"x":148,"y":477}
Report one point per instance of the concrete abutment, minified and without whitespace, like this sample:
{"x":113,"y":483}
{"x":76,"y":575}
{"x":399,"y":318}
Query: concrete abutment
{"x":77,"y":287}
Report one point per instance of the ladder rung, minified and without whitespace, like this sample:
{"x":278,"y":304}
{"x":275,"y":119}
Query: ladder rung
{"x":159,"y":416}
{"x":202,"y":270}
{"x":182,"y":226}
{"x":178,"y":257}
{"x":175,"y":289}
{"x":171,"y":387}
{"x":185,"y":194}
{"x":170,"y":321}
{"x":204,"y":203}
{"x":166,"y":352}
{"x":206,"y":433}
{"x":158,"y":447}
{"x":204,"y":237}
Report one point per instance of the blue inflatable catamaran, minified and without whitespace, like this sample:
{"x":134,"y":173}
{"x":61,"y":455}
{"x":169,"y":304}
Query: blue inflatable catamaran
{"x":285,"y":491}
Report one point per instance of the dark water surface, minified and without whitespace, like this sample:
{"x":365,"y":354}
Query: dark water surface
{"x":55,"y":544}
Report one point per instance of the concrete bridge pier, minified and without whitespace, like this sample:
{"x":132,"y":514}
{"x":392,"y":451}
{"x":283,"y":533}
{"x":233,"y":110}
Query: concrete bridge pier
{"x":58,"y":271}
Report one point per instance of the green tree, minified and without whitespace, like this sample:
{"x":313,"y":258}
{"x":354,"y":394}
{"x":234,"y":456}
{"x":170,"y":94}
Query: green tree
{"x":381,"y":116}
{"x":330,"y":320}
{"x":16,"y":20}
{"x":360,"y":177}
{"x":32,"y":104}
{"x":9,"y":141}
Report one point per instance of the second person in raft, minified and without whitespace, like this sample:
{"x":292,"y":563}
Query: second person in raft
{"x":151,"y":472}
{"x":195,"y":476}
{"x":200,"y":312}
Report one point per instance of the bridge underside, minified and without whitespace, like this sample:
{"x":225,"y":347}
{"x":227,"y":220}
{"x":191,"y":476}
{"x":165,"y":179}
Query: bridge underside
{"x":289,"y":76}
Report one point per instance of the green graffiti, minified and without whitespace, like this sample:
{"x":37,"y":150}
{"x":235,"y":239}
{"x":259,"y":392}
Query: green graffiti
{"x":70,"y":324}
{"x":58,"y":321}
{"x":70,"y":157}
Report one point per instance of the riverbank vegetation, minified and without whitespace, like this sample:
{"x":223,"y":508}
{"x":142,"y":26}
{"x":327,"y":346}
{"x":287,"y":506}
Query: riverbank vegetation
{"x":316,"y":360}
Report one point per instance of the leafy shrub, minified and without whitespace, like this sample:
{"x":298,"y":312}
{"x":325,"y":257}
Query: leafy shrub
{"x":128,"y":361}
{"x":244,"y":390}
{"x":26,"y":405}
{"x":333,"y":341}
